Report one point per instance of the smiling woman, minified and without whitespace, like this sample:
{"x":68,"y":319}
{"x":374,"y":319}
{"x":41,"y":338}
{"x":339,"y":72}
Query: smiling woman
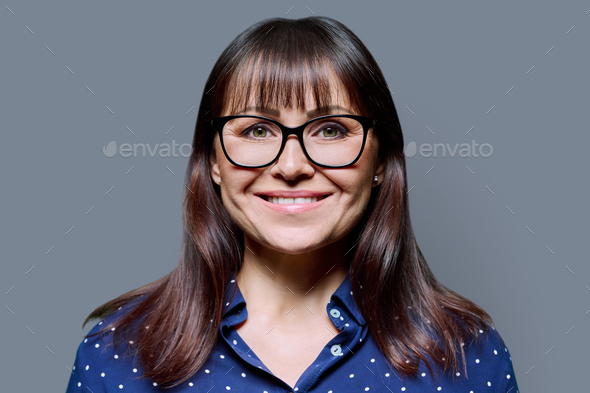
{"x":295,"y":205}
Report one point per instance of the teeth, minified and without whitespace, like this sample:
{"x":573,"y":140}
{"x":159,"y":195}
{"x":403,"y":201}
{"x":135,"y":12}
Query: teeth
{"x":284,"y":201}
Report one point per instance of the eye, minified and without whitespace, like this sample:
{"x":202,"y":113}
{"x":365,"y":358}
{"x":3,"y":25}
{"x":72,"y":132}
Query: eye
{"x":257,"y":131}
{"x":332,"y":130}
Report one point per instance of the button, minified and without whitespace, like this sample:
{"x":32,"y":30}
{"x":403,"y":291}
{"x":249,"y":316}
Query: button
{"x":336,"y":350}
{"x":335,"y":313}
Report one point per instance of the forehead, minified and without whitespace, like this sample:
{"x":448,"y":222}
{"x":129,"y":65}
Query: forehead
{"x":279,"y":87}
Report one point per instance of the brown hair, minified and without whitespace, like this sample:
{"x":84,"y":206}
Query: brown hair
{"x":409,"y":313}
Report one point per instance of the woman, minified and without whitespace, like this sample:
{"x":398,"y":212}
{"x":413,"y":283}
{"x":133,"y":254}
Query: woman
{"x":296,"y":206}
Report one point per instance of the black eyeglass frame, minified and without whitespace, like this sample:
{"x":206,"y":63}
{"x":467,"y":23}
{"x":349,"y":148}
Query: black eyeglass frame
{"x":367,"y":122}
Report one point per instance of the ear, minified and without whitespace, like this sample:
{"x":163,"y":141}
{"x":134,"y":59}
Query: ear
{"x":215,"y":173}
{"x":379,"y":171}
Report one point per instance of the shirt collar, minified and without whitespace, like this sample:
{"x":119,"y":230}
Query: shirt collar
{"x":343,"y":294}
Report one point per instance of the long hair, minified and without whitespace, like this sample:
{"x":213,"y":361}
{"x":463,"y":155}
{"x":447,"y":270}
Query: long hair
{"x":410,"y":315}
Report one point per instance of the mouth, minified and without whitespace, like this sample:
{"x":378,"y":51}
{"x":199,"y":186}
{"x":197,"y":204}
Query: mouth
{"x":290,"y":201}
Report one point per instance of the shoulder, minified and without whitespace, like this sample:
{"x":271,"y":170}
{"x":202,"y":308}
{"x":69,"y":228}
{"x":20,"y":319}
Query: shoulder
{"x":99,"y":340}
{"x":487,"y":357}
{"x":489,"y":361}
{"x":98,"y":362}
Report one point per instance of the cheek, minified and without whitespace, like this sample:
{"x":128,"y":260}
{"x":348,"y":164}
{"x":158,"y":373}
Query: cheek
{"x":235,"y":183}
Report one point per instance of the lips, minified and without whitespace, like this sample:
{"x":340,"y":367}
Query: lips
{"x":266,"y":197}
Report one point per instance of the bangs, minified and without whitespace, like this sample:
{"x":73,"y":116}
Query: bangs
{"x":285,"y":80}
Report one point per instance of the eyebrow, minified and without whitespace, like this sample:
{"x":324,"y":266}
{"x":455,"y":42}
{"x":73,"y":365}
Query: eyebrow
{"x":314,"y":112}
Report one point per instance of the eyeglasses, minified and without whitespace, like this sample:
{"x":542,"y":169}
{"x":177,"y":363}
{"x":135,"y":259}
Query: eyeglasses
{"x":331,"y":141}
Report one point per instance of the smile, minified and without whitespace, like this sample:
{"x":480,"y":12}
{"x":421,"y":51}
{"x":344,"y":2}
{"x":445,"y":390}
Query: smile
{"x":292,"y":205}
{"x":290,"y":201}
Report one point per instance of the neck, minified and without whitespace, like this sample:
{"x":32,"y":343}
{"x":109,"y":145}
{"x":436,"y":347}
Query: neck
{"x":273,"y":283}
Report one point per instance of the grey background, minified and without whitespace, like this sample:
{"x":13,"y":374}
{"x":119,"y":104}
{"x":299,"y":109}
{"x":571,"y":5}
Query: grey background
{"x":448,"y":62}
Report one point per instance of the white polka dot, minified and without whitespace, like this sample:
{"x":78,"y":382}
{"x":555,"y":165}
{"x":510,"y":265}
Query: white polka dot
{"x":235,"y":342}
{"x":407,"y":361}
{"x":443,"y":359}
{"x":130,"y":342}
{"x":155,"y":384}
{"x":366,"y":389}
{"x":351,"y":375}
{"x":87,"y":367}
{"x":508,"y":376}
{"x":495,"y":352}
{"x":296,"y":389}
{"x":190,"y":384}
{"x":134,"y":370}
{"x":404,"y":389}
{"x":346,"y":325}
{"x":221,"y":356}
{"x":387,"y":374}
{"x":228,"y":388}
{"x":505,"y":349}
{"x":476,"y":360}
{"x":458,"y":374}
{"x":372,"y":360}
{"x":102,"y":375}
{"x":489,"y":383}
{"x":96,"y":345}
{"x":244,"y":375}
{"x":481,"y":331}
{"x":439,"y":388}
{"x":351,"y":292}
{"x":207,"y":371}
{"x":120,"y":308}
{"x":100,"y":323}
{"x":79,"y":384}
{"x":227,"y":304}
{"x":85,"y":340}
{"x":423,"y":374}
{"x":73,"y":368}
{"x":116,"y":356}
{"x":120,"y":386}
{"x":361,"y":340}
{"x":113,"y":329}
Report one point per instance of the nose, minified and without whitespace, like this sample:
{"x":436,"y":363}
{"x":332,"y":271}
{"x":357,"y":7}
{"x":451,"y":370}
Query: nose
{"x":292,"y":162}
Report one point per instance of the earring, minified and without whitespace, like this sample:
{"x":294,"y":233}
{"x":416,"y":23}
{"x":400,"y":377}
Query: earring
{"x":375,"y":178}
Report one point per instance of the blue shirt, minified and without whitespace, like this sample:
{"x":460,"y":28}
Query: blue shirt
{"x":350,"y":362}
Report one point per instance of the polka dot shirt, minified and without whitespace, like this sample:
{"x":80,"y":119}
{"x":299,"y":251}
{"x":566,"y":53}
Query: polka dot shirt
{"x":350,"y":362}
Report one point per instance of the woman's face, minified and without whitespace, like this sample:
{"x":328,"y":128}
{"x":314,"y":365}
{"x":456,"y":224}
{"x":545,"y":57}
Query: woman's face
{"x":296,"y":232}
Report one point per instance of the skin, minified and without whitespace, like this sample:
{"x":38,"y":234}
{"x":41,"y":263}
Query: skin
{"x":297,"y":260}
